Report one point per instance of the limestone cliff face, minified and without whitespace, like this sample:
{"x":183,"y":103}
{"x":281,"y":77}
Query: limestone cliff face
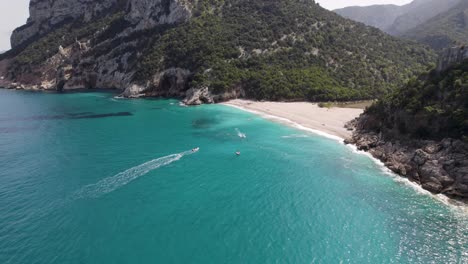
{"x":146,"y":14}
{"x":45,"y":15}
{"x":93,"y":61}
{"x":142,"y":14}
{"x":452,"y":56}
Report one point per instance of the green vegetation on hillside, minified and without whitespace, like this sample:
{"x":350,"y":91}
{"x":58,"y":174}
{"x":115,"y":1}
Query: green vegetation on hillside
{"x":285,"y":50}
{"x":433,"y":106}
{"x":275,"y":50}
{"x":445,"y":29}
{"x":436,"y":23}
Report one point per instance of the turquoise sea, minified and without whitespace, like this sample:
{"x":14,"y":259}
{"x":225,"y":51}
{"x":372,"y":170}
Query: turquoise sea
{"x":85,"y":178}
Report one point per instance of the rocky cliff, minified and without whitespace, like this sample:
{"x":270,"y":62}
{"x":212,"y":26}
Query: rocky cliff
{"x":205,"y":50}
{"x":420,"y":131}
{"x":101,"y":53}
{"x":439,"y":166}
{"x":452,"y":56}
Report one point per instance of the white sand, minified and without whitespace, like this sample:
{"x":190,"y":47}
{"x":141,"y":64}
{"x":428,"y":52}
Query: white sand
{"x":308,"y":115}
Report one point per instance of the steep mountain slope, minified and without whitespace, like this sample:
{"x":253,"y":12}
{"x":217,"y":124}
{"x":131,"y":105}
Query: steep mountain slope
{"x":444,"y":29}
{"x":379,"y":16}
{"x":402,"y":20}
{"x":207,"y":50}
{"x":420,"y":131}
{"x":418,"y":12}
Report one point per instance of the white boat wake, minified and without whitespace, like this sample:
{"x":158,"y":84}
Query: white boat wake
{"x":240,"y":134}
{"x":121,"y":179}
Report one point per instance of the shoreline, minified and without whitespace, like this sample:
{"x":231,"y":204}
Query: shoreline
{"x":444,"y":199}
{"x":328,"y":122}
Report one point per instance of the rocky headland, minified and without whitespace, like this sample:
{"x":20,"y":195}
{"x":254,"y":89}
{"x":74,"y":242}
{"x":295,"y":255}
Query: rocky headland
{"x":439,"y":166}
{"x":420,"y":132}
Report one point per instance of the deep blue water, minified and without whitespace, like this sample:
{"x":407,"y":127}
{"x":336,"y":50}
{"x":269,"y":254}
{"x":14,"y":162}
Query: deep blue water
{"x":85,"y":178}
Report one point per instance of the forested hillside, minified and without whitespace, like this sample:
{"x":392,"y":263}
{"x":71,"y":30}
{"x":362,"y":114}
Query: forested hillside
{"x":432,"y":22}
{"x":433,"y":106}
{"x":276,"y":50}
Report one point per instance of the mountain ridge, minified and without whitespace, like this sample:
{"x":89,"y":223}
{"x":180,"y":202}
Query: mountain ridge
{"x":208,"y":51}
{"x":444,"y":29}
{"x":405,"y":20}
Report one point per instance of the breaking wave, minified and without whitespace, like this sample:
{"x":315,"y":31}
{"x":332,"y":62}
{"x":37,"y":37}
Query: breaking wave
{"x":295,"y":136}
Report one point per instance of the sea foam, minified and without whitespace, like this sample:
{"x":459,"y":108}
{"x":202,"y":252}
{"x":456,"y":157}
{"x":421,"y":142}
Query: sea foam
{"x":121,"y":179}
{"x":240,"y":134}
{"x":458,"y":207}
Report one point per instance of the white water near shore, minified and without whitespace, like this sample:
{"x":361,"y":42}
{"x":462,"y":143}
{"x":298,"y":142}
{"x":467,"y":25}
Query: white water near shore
{"x":309,"y":115}
{"x":457,"y":206}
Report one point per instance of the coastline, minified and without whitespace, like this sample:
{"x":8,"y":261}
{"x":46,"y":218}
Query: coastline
{"x":259,"y":108}
{"x":329,"y":122}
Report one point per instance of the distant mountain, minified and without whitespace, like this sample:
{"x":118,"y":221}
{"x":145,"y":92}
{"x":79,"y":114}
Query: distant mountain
{"x":379,"y":16}
{"x":418,"y":12}
{"x":402,"y":20}
{"x":444,"y":29}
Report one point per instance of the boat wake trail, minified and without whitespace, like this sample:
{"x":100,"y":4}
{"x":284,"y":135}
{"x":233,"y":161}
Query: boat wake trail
{"x":240,"y":134}
{"x":121,"y":179}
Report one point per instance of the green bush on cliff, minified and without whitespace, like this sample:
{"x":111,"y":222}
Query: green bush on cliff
{"x":436,"y":103}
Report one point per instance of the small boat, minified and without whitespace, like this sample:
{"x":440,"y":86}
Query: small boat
{"x":238,"y":153}
{"x":195,"y":150}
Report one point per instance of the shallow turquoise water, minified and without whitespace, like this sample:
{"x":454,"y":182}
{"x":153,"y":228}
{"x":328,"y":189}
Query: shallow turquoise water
{"x":85,"y":178}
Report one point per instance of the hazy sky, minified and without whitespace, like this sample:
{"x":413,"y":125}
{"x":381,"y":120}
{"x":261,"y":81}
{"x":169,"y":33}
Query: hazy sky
{"x":13,"y":13}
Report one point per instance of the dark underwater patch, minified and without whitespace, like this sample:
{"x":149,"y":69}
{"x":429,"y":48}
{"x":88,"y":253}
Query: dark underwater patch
{"x":102,"y":115}
{"x":11,"y":130}
{"x":82,"y":115}
{"x":202,"y":123}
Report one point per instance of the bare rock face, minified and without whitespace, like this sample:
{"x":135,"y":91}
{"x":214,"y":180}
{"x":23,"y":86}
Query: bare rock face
{"x":45,"y":14}
{"x":83,"y":64}
{"x":143,"y":14}
{"x":452,"y":57}
{"x":198,"y":96}
{"x":146,"y":14}
{"x":172,"y":82}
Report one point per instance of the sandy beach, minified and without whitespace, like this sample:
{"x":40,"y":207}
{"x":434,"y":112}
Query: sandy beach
{"x":308,"y":115}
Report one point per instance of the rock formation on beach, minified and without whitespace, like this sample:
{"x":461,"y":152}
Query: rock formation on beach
{"x":420,"y":131}
{"x":206,"y":51}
